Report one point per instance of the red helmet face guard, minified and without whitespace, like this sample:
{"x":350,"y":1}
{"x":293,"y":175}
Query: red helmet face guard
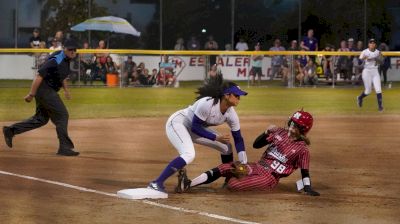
{"x":303,"y":121}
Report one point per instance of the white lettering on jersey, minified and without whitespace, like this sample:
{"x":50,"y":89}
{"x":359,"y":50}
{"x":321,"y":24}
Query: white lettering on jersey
{"x":276,"y":154}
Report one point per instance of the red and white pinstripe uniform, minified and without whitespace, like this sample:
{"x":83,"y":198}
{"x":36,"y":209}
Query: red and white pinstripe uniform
{"x":281,"y":158}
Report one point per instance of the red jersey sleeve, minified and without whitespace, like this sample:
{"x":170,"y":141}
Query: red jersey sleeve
{"x":303,"y":161}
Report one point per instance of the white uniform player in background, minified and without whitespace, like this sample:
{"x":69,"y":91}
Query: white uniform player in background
{"x":370,"y":75}
{"x":214,"y":106}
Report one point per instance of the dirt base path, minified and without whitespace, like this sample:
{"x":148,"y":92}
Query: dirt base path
{"x":354,"y":165}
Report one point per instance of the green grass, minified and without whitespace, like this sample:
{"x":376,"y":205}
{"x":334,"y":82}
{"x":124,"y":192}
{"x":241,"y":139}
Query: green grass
{"x":150,"y":102}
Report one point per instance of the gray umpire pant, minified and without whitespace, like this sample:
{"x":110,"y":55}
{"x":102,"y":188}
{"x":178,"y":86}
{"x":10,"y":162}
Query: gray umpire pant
{"x":48,"y":106}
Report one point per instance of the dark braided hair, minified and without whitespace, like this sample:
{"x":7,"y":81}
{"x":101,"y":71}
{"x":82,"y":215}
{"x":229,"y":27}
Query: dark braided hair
{"x":214,"y":87}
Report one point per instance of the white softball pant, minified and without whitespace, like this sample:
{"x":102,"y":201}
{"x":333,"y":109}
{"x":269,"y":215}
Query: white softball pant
{"x":179,"y":133}
{"x":371,"y":77}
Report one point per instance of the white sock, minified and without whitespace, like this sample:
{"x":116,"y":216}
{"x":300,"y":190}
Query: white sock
{"x":199,"y":180}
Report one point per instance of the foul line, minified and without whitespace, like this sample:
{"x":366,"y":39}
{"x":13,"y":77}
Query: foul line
{"x":215,"y":216}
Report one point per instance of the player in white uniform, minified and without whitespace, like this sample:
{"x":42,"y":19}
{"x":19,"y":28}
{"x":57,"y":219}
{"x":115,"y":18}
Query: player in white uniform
{"x":214,"y":106}
{"x":370,"y":75}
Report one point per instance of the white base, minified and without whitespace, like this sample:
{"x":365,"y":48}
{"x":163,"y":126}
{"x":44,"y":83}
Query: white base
{"x":141,"y":193}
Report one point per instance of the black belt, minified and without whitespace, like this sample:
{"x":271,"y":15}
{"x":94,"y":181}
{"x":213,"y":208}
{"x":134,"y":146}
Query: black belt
{"x":267,"y":168}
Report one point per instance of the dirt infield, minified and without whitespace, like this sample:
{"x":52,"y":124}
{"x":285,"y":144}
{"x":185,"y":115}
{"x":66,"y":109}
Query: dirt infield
{"x":354,"y":165}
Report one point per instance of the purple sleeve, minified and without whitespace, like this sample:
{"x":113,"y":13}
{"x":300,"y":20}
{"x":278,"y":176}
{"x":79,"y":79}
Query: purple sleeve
{"x":197,"y":128}
{"x":239,"y":144}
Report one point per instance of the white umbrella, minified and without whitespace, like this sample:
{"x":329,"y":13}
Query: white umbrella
{"x":107,"y":23}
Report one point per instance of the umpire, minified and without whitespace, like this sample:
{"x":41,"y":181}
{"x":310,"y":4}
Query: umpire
{"x":52,"y":75}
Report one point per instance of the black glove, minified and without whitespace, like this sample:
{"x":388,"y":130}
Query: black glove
{"x":309,"y":191}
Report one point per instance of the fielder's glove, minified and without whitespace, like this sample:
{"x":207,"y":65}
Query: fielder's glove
{"x":309,"y":191}
{"x":239,"y":170}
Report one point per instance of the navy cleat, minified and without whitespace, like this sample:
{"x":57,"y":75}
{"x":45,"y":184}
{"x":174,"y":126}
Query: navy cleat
{"x":156,"y":186}
{"x":380,"y":109}
{"x":183,"y":182}
{"x":359,"y":101}
{"x":8,"y":135}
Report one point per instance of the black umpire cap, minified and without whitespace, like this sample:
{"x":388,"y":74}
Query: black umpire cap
{"x":70,"y":44}
{"x":372,"y":40}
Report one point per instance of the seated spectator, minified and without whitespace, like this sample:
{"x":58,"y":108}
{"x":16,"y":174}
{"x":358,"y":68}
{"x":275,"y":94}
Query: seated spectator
{"x":102,"y":56}
{"x":168,"y":70}
{"x":298,"y":72}
{"x":35,"y":40}
{"x":179,"y":46}
{"x":310,"y":73}
{"x":193,"y":44}
{"x":344,"y":63}
{"x":41,"y":57}
{"x":129,"y":71}
{"x":142,"y":79}
{"x":86,"y":63}
{"x":152,"y":80}
{"x":241,"y":45}
{"x":211,"y":44}
{"x":111,"y":66}
{"x":60,"y":38}
{"x":54,"y":45}
{"x":98,"y":71}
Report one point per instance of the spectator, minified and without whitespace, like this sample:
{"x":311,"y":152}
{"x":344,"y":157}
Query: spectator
{"x":298,"y":72}
{"x":41,"y":57}
{"x":343,"y":63}
{"x":310,"y":73}
{"x":153,"y":77}
{"x":193,"y":44}
{"x":293,"y":46}
{"x":167,"y":68}
{"x":60,"y":38}
{"x":212,"y":73}
{"x":142,"y":79}
{"x":54,"y":45}
{"x":98,"y":71}
{"x":384,"y":67}
{"x":129,"y":71}
{"x":327,"y":63}
{"x":256,"y":66}
{"x":211,"y":45}
{"x":350,"y":44}
{"x":111,"y":66}
{"x":358,"y":65}
{"x":228,"y":47}
{"x":179,"y":46}
{"x":309,"y":43}
{"x":277,"y":61}
{"x":86,"y":62}
{"x":241,"y":45}
{"x":35,"y":40}
{"x":102,"y":56}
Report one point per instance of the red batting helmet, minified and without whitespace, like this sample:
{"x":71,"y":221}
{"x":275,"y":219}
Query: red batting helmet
{"x":303,"y":120}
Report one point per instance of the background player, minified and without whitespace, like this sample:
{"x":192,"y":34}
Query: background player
{"x":214,"y":106}
{"x":286,"y":151}
{"x":52,"y":75}
{"x":370,"y":75}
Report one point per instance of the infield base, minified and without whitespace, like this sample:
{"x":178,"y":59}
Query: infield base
{"x":141,"y":193}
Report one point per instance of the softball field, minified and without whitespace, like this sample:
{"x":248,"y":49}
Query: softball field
{"x":121,"y":136}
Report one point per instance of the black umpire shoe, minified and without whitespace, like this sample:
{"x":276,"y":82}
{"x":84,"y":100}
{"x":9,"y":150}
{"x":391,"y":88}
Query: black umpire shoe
{"x":67,"y":152}
{"x":8,"y":135}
